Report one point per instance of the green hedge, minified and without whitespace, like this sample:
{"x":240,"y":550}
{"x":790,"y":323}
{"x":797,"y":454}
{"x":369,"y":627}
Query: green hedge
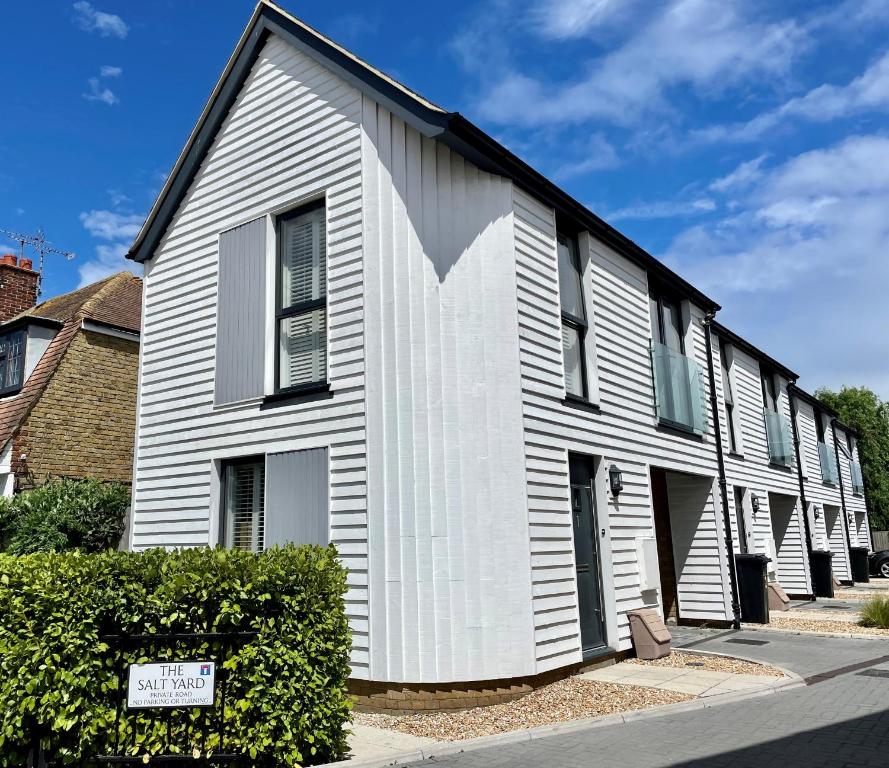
{"x":64,"y":514}
{"x":287,"y":687}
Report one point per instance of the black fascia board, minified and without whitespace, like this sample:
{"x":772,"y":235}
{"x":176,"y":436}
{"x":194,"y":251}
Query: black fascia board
{"x":813,"y":401}
{"x":730,"y":336}
{"x":26,"y":320}
{"x":451,"y":128}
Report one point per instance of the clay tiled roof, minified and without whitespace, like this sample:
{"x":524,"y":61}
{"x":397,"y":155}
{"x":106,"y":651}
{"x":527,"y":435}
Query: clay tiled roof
{"x":116,"y":300}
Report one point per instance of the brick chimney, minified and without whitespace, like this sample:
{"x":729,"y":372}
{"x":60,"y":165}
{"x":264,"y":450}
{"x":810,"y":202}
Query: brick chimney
{"x":18,"y":286}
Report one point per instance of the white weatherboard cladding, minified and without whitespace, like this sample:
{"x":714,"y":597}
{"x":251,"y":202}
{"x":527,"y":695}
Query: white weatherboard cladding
{"x":293,"y":133}
{"x":624,"y":433}
{"x":859,"y":531}
{"x":755,"y":473}
{"x":448,"y":524}
{"x":825,"y":495}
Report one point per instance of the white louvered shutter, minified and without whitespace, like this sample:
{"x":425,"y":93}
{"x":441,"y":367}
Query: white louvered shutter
{"x":245,"y":502}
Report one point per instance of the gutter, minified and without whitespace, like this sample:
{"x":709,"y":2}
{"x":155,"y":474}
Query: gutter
{"x":791,"y":390}
{"x":723,"y":484}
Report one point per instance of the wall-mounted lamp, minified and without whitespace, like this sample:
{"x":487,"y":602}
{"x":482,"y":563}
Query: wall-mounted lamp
{"x":817,"y":510}
{"x":754,"y":503}
{"x":615,"y":479}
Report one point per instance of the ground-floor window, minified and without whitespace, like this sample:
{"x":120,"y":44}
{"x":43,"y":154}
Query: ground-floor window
{"x":245,"y":504}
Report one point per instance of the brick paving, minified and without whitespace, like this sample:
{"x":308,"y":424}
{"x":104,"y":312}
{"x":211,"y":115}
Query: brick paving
{"x":836,"y":721}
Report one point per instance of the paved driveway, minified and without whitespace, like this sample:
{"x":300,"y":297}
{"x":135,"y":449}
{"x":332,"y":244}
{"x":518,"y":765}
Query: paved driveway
{"x":840,"y":719}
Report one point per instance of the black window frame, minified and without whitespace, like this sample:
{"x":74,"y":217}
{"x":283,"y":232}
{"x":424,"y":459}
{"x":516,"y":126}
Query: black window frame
{"x":282,"y":313}
{"x":16,"y":386}
{"x":767,"y":381}
{"x":579,"y":324}
{"x":661,"y":298}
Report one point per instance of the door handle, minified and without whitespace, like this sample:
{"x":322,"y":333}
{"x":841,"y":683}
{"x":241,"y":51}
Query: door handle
{"x":583,"y":568}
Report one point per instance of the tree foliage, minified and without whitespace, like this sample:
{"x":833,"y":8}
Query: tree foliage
{"x":862,"y":409}
{"x":64,"y":514}
{"x":285,"y":696}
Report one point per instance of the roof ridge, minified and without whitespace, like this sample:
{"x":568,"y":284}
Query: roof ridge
{"x":99,"y":296}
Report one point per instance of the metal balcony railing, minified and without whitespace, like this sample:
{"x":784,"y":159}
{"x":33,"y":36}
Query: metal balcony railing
{"x":780,"y":438}
{"x":829,"y":472}
{"x":679,"y":389}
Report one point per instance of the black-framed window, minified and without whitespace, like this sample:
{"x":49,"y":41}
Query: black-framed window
{"x":666,"y":322}
{"x":301,"y":303}
{"x":12,"y":361}
{"x":574,"y":317}
{"x":244,"y":500}
{"x":819,"y":426}
{"x":728,"y":397}
{"x":769,"y":391}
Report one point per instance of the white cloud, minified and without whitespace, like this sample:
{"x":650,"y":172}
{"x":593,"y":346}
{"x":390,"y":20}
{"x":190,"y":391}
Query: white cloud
{"x":106,"y":24}
{"x":598,"y":155}
{"x":101,"y":93}
{"x":109,"y":259}
{"x":801,"y":268}
{"x":106,"y":70}
{"x":564,"y":19}
{"x":703,"y":45}
{"x":740,"y":178}
{"x":111,"y":225}
{"x":663,"y":209}
{"x":867,"y":92}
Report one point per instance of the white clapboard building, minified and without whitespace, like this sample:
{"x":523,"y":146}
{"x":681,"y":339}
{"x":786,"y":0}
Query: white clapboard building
{"x":368,"y":323}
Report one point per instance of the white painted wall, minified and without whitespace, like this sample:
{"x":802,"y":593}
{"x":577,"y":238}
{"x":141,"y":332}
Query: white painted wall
{"x":449,"y":559}
{"x":7,"y":478}
{"x":39,"y":338}
{"x":294,"y":132}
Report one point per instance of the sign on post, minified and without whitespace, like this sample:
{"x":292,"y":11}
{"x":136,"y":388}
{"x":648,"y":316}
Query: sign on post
{"x":173,"y":684}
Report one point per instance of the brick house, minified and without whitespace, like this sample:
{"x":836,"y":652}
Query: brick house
{"x":68,"y":372}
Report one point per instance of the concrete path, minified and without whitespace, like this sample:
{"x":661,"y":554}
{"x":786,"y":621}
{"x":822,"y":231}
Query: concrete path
{"x":840,"y":719}
{"x":695,"y":682}
{"x":367,"y":743}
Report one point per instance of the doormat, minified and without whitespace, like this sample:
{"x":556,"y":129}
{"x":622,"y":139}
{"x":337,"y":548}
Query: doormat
{"x":743,"y":641}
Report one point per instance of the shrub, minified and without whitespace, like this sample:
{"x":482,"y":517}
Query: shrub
{"x":286,"y":692}
{"x":64,"y":514}
{"x":875,"y":612}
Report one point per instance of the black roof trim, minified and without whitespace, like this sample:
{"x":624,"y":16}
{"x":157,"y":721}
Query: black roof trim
{"x":814,"y":401}
{"x":730,"y":336}
{"x":26,"y":320}
{"x":449,"y":127}
{"x":846,"y":428}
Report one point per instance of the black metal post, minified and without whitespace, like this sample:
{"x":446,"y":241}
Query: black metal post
{"x":723,"y":484}
{"x":791,"y":385}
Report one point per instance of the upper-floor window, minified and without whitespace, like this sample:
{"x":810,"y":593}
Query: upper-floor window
{"x":769,"y":391}
{"x":666,"y":323}
{"x":728,"y":397}
{"x":12,"y":361}
{"x":574,"y":317}
{"x":301,"y":308}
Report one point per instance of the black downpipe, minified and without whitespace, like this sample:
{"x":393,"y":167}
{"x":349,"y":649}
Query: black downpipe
{"x":836,"y":451}
{"x":802,"y":485}
{"x":723,"y":485}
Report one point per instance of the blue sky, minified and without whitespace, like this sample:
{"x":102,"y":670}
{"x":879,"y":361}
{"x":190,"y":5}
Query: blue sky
{"x":743,"y":142}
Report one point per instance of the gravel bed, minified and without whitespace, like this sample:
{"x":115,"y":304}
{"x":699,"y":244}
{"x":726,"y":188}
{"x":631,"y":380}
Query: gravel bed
{"x":565,"y":700}
{"x":824,"y":625}
{"x":680,"y":660}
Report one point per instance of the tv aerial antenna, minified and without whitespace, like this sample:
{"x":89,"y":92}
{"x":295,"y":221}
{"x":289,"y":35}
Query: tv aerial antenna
{"x":40,"y":245}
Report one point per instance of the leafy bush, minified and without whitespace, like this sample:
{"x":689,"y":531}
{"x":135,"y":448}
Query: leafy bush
{"x":875,"y":612}
{"x":286,"y":690}
{"x":64,"y":514}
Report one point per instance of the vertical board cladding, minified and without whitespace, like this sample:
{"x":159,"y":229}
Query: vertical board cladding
{"x":624,"y":433}
{"x":448,"y":536}
{"x":754,"y":471}
{"x":240,"y":329}
{"x":293,"y":133}
{"x":697,"y":549}
{"x":825,"y":495}
{"x":297,"y":497}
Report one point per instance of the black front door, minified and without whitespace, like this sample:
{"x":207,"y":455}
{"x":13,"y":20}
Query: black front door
{"x":586,"y":553}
